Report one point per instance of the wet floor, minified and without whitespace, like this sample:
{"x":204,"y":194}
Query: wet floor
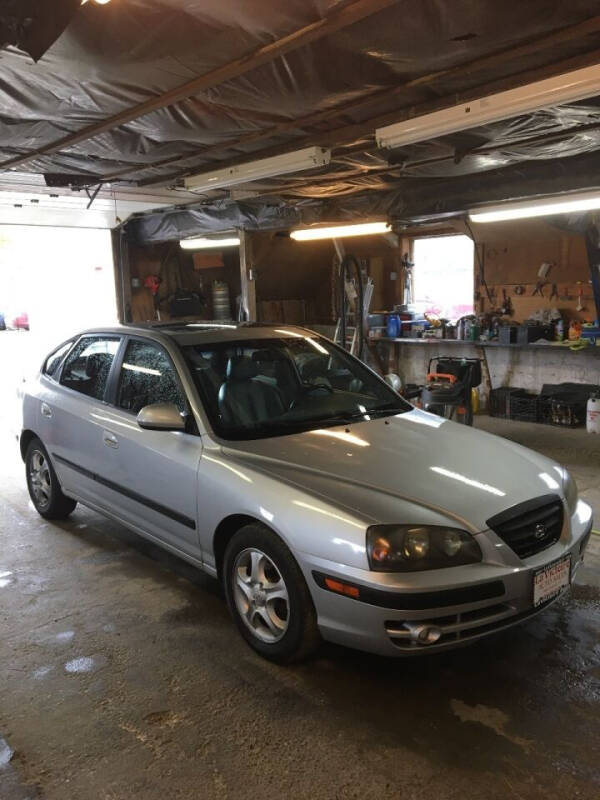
{"x":121,"y":676}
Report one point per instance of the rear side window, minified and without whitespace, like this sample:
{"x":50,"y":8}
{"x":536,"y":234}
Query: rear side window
{"x":147,"y":377}
{"x":54,"y":360}
{"x":87,"y":366}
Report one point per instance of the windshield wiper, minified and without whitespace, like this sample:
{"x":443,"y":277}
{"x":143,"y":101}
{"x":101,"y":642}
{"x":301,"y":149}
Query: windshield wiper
{"x":275,"y":426}
{"x":370,"y":413}
{"x":385,"y":411}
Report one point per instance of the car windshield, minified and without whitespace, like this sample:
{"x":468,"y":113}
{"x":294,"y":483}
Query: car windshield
{"x":259,"y":388}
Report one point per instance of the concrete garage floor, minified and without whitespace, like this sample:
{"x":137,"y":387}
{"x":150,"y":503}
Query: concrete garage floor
{"x":121,"y":676}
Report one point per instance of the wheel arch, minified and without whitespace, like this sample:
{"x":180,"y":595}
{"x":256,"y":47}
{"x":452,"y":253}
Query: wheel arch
{"x":27,"y":436}
{"x":226,"y":530}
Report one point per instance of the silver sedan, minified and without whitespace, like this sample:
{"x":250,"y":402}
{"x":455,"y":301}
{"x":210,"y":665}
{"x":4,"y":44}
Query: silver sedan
{"x":327,"y":505}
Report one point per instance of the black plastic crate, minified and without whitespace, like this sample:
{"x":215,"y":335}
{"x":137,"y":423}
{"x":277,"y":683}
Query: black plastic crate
{"x":562,"y":412}
{"x":532,"y":333}
{"x":500,"y":401}
{"x":525,"y":407}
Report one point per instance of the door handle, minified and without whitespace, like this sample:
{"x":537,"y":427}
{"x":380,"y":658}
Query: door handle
{"x":46,"y":410}
{"x":110,"y":440}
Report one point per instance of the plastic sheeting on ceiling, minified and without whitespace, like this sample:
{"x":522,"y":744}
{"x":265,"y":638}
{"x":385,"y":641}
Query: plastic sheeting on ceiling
{"x":115,"y":56}
{"x":34,"y":25}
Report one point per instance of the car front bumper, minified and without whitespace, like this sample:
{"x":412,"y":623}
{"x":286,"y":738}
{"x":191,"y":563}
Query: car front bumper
{"x":384,"y":619}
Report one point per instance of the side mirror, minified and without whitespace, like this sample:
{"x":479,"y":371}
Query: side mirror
{"x":161,"y":417}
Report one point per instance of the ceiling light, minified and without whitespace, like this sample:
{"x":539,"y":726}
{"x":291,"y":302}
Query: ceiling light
{"x":541,"y":207}
{"x":565,"y":88}
{"x":340,"y":231}
{"x":309,"y":158}
{"x":98,"y":2}
{"x":202,"y":243}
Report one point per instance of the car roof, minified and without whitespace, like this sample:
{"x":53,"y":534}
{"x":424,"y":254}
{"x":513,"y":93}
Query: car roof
{"x":204,"y":332}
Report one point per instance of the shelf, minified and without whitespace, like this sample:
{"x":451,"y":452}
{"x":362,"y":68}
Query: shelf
{"x":464,"y":342}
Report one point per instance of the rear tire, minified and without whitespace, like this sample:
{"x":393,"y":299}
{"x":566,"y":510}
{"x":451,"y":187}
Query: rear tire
{"x":268,"y":596}
{"x":43,"y":484}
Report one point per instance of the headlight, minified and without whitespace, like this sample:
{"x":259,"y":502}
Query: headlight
{"x":570,"y":490}
{"x":411,"y":548}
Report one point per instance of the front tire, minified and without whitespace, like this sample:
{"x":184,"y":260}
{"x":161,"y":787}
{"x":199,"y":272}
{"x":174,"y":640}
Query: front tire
{"x":43,"y":485}
{"x":268,"y":596}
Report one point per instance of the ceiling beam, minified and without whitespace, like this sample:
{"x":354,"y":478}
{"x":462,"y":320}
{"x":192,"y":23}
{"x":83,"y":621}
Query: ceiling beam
{"x":340,"y":17}
{"x":401,"y":170}
{"x":365,"y":130}
{"x":499,"y":58}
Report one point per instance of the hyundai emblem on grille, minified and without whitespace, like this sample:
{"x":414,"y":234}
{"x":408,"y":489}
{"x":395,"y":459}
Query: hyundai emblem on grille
{"x":540,"y":531}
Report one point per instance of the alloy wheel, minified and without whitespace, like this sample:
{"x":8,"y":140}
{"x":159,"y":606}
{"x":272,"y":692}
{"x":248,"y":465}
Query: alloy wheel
{"x":39,"y":478}
{"x":260,"y":595}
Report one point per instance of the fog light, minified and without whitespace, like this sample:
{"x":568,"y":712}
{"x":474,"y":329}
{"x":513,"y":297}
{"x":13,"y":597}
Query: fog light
{"x":423,"y":634}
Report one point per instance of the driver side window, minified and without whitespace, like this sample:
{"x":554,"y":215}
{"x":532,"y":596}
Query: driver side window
{"x":147,"y":377}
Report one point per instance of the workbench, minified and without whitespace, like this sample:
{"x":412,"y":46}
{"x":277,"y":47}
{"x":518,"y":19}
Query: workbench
{"x":527,"y":366}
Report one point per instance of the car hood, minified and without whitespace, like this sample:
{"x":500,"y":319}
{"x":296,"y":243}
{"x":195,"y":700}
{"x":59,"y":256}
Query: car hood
{"x":381,"y":468}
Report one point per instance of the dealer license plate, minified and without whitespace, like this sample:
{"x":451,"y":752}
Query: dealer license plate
{"x":551,"y":580}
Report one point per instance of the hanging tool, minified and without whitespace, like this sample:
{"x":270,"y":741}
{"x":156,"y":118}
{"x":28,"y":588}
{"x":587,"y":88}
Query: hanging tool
{"x":153,"y":283}
{"x":407,"y":267}
{"x":519,"y":290}
{"x":565,"y":297}
{"x":539,"y":288}
{"x":554,"y":292}
{"x":506,"y":304}
{"x":579,"y":306}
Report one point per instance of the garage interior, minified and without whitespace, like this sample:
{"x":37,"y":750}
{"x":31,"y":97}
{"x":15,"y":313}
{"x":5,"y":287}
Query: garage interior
{"x":157,"y":159}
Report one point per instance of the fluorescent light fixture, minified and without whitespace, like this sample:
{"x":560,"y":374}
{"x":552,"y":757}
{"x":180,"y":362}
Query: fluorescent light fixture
{"x":308,"y":158}
{"x":340,"y":231}
{"x":541,"y":207}
{"x":202,"y":243}
{"x":565,"y":88}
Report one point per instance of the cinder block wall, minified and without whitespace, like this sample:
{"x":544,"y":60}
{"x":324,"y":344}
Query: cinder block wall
{"x":523,"y":368}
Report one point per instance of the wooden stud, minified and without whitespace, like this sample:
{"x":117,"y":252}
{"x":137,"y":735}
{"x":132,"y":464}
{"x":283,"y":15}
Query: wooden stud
{"x":348,"y":14}
{"x":248,"y":277}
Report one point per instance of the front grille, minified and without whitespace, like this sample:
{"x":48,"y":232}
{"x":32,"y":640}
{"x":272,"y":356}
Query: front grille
{"x":530,"y":527}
